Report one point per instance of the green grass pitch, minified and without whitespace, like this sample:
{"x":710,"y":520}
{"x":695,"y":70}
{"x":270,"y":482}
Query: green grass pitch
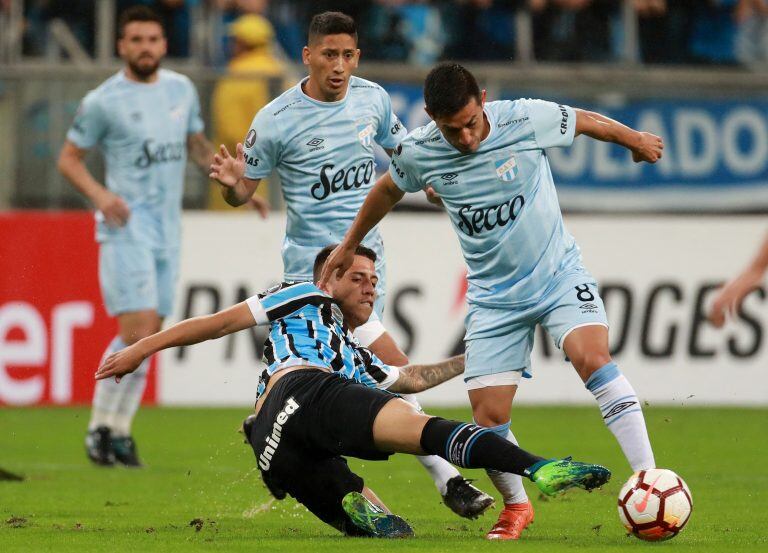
{"x":201,"y":492}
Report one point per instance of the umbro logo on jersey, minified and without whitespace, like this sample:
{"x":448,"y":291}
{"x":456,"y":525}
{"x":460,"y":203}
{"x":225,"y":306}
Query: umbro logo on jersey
{"x":616,"y":409}
{"x":316,"y":144}
{"x":588,"y":308}
{"x":450,"y":178}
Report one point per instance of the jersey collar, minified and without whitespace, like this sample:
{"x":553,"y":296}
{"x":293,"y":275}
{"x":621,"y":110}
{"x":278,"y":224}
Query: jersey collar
{"x":319,"y":102}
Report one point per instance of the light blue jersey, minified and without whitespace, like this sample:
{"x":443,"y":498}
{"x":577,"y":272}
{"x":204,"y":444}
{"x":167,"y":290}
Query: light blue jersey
{"x":142,"y":131}
{"x":308,"y":328}
{"x":323,"y":153}
{"x":501,"y":199}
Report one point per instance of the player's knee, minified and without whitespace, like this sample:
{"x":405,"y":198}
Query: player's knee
{"x":589,"y":362}
{"x":490,"y":415}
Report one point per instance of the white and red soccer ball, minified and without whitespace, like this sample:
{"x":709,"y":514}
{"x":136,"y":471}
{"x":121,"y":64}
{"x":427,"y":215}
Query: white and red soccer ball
{"x":655,"y":504}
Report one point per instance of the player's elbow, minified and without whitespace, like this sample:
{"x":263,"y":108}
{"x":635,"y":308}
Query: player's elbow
{"x":64,"y":162}
{"x":68,"y":159}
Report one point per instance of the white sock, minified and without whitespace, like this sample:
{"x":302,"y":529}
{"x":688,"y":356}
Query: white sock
{"x":439,"y":469}
{"x":509,"y":485}
{"x":622,"y":414}
{"x":106,"y":393}
{"x":132,"y":389}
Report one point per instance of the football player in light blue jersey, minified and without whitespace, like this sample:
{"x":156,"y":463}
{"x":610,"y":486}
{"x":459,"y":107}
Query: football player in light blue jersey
{"x":488,"y":163}
{"x":319,"y":137}
{"x":146,"y":121}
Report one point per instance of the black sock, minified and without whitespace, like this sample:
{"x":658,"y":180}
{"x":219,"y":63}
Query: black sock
{"x":470,"y":446}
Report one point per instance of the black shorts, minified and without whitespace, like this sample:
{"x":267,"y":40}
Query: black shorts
{"x":308,"y":421}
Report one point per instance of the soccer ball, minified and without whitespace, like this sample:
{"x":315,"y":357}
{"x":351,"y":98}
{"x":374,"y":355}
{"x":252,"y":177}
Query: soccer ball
{"x":655,"y":504}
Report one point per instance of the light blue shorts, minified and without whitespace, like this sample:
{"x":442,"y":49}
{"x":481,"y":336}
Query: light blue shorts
{"x":501,"y":340}
{"x":134,"y":277}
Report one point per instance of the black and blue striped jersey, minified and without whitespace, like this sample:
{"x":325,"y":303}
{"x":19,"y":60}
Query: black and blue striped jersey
{"x":308,"y":328}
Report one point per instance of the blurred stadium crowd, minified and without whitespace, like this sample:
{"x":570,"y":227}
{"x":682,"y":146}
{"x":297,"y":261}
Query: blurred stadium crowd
{"x":729,"y":32}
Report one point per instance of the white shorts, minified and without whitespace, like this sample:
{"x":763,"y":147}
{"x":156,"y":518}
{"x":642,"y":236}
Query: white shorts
{"x":507,"y":378}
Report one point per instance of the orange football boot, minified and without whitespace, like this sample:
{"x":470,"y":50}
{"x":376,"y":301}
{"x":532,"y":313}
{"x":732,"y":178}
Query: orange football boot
{"x":512,"y":521}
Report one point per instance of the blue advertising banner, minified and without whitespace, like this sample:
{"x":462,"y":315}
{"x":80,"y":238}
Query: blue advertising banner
{"x":715,"y":156}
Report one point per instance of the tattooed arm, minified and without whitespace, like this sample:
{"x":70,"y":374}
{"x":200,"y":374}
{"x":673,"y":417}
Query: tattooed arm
{"x":417,"y":378}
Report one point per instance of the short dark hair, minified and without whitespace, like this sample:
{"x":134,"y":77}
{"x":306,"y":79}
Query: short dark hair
{"x":322,"y":257}
{"x":331,"y":23}
{"x":137,"y":13}
{"x":448,"y":88}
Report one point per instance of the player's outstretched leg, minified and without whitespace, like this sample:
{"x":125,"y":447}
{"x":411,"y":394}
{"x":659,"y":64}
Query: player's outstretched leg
{"x":373,"y":520}
{"x":470,"y":446}
{"x":458,"y":494}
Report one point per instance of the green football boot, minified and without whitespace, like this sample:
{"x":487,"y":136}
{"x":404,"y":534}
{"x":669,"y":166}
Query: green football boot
{"x":372,"y":520}
{"x":557,"y":475}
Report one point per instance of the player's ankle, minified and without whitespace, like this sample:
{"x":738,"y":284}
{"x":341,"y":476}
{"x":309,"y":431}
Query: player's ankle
{"x":518,"y":505}
{"x":531,"y":471}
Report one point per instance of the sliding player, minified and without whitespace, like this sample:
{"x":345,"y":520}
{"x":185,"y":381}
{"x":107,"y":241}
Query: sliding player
{"x":307,"y":417}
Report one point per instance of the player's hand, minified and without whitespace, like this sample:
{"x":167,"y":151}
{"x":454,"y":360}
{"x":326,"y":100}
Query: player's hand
{"x":226,"y":169}
{"x":115,"y":210}
{"x":649,"y":148}
{"x":728,"y":301}
{"x":433,"y":197}
{"x":121,"y":363}
{"x":261,"y":205}
{"x":336,"y":265}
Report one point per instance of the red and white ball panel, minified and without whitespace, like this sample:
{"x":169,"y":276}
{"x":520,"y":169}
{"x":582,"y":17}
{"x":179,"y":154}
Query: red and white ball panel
{"x":655,"y":504}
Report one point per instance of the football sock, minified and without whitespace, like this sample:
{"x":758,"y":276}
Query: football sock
{"x":106,"y":393}
{"x":132,"y":389}
{"x":622,"y":414}
{"x":470,"y":446}
{"x":509,"y":485}
{"x":439,"y":469}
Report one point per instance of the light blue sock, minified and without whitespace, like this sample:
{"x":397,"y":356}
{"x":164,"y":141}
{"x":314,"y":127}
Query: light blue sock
{"x":622,"y":414}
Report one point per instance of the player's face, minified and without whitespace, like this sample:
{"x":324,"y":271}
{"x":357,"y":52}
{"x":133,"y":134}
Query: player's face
{"x":331,"y":59}
{"x":356,"y":291}
{"x":142,"y":47}
{"x":465,"y":129}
